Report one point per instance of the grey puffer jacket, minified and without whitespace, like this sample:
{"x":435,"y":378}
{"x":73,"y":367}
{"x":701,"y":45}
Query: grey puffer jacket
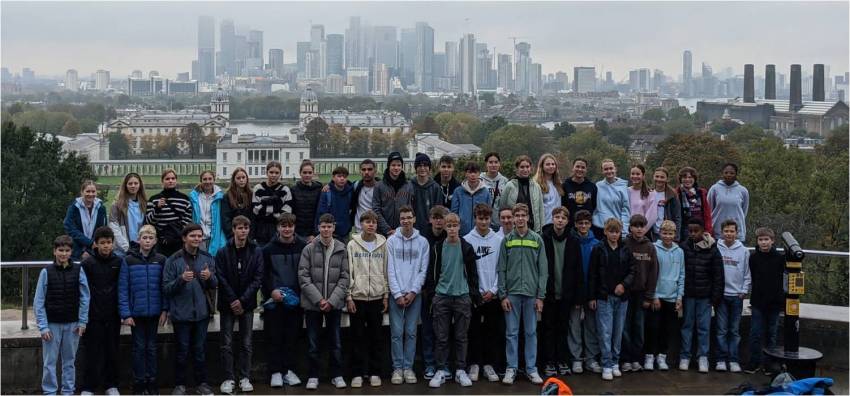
{"x":319,"y":282}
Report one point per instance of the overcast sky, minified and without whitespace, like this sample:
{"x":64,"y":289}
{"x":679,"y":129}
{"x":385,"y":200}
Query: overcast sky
{"x":617,"y":36}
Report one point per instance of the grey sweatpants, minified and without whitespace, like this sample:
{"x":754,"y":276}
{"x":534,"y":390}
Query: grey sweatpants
{"x":574,"y":334}
{"x":445,"y":309}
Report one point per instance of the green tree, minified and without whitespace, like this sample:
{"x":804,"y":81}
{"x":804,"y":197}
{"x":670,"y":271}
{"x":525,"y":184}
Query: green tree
{"x":620,"y":136}
{"x":747,"y":135}
{"x":148,"y":145}
{"x":679,"y":125}
{"x":486,"y":128}
{"x":193,"y":136}
{"x":208,"y":145}
{"x":655,"y":114}
{"x":71,"y":127}
{"x":317,"y":134}
{"x":600,"y":125}
{"x":168,"y":145}
{"x":399,"y":142}
{"x":427,"y":125}
{"x":358,"y":142}
{"x":514,"y":140}
{"x":379,"y":143}
{"x":678,"y":113}
{"x":563,"y":129}
{"x":589,"y":144}
{"x":457,"y":127}
{"x":703,"y":151}
{"x":118,"y":146}
{"x":723,"y":126}
{"x":338,"y":142}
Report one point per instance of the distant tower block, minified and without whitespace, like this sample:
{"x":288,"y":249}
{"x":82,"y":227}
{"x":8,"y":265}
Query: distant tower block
{"x":770,"y":82}
{"x":749,"y":84}
{"x":818,"y":84}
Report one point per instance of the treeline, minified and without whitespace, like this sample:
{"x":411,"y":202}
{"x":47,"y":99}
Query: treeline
{"x":334,"y":142}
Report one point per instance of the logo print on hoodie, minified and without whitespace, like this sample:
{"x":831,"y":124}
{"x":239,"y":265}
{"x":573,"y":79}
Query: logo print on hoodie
{"x":483,"y":251}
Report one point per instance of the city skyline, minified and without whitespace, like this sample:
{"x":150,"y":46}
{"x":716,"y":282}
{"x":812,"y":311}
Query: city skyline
{"x":171,"y":48}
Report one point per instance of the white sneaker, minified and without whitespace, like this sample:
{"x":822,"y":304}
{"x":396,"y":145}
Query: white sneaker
{"x":720,"y":366}
{"x":703,"y":364}
{"x":510,"y":375}
{"x":649,"y":363}
{"x":578,"y":368}
{"x":357,"y":382}
{"x":534,"y":377}
{"x":734,"y":367}
{"x":410,"y":376}
{"x":438,"y":380}
{"x":227,"y":386}
{"x":397,"y":377}
{"x":338,"y":382}
{"x":462,"y":378}
{"x":87,"y":393}
{"x":490,"y":373}
{"x":661,"y":362}
{"x":626,"y":367}
{"x":374,"y":380}
{"x":616,"y":371}
{"x":683,"y":364}
{"x":607,"y":374}
{"x":291,"y":379}
{"x":473,"y":372}
{"x":245,"y":385}
{"x":594,"y":366}
{"x":277,"y":381}
{"x":312,"y":384}
{"x":112,"y":391}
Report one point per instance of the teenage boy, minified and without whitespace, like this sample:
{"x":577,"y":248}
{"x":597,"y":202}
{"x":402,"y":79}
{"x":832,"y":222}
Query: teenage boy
{"x":337,"y":201}
{"x":426,"y":192}
{"x":495,"y":182}
{"x":61,"y":308}
{"x":470,"y":193}
{"x":522,"y":275}
{"x":736,"y":274}
{"x":704,"y":284}
{"x":104,"y":328}
{"x":188,"y":276}
{"x":767,"y":299}
{"x":487,"y":328}
{"x":283,"y":319}
{"x":582,"y":317}
{"x":611,"y":275}
{"x":140,"y":306}
{"x":663,"y":317}
{"x":506,"y":222}
{"x":406,"y":267}
{"x":560,"y":292}
{"x":239,"y":269}
{"x":641,"y":293}
{"x":433,"y":234}
{"x":324,"y":279}
{"x":391,"y":194}
{"x":455,"y":295}
{"x":361,"y":200}
{"x":448,"y":183}
{"x":367,"y":300}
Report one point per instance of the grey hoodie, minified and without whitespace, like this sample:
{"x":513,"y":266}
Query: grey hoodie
{"x":729,"y":202}
{"x":736,"y":268}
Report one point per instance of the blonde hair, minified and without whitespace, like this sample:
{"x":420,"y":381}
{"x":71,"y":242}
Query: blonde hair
{"x":452,"y":217}
{"x":668,"y":225}
{"x":540,"y":176}
{"x":147,"y":229}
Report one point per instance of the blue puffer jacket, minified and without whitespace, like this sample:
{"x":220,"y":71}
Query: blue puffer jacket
{"x":464,"y":200}
{"x":217,"y":238}
{"x":140,"y":285}
{"x":338,"y":203}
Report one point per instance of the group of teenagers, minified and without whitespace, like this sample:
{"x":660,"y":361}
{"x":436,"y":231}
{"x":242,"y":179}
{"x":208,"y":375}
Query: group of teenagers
{"x":609,"y":267}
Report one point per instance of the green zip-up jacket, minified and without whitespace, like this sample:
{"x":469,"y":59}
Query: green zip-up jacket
{"x":522,"y":268}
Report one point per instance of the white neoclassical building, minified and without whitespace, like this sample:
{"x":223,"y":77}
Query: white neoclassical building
{"x":369,"y":120}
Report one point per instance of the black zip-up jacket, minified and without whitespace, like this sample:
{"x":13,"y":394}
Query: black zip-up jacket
{"x":430,"y":281}
{"x":766,"y":270}
{"x":570,"y":267}
{"x":704,"y":276}
{"x":102,"y":274}
{"x":280,"y":265}
{"x":305,"y":203}
{"x":470,"y":268}
{"x":234,"y":284}
{"x":608,"y":268}
{"x":447,"y":190}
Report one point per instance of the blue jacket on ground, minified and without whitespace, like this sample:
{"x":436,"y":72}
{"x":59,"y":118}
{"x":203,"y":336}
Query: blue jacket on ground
{"x":140,"y":285}
{"x":464,"y":200}
{"x":74,"y":225}
{"x":338,"y":203}
{"x":217,"y":237}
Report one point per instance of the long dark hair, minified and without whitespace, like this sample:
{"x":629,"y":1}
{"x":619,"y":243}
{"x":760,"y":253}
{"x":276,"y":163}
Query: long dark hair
{"x":644,"y":190}
{"x":239,"y":197}
{"x":122,"y":201}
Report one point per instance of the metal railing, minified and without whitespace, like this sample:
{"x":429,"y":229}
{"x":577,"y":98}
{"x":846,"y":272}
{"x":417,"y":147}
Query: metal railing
{"x":26,"y":265}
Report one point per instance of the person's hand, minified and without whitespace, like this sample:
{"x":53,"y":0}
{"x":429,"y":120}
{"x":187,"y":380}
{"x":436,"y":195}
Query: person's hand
{"x":80,"y":331}
{"x":163,"y":318}
{"x":47,"y":336}
{"x":325,"y":306}
{"x":506,"y":305}
{"x":277,"y":295}
{"x":386,"y":304}
{"x":310,"y":238}
{"x":742,"y":296}
{"x":326,"y":188}
{"x":400,"y":301}
{"x":679,"y":305}
{"x":236,"y":307}
{"x":188,"y":275}
{"x":619,"y":290}
{"x":390,"y":232}
{"x":646,"y":304}
{"x":160,"y":203}
{"x":129,"y":322}
{"x":656,"y":304}
{"x":409,"y":297}
{"x":352,"y":308}
{"x":592,"y":305}
{"x":205,"y":274}
{"x":487,"y":297}
{"x":538,"y":305}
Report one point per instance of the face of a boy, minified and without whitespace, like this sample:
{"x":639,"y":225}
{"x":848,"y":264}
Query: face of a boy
{"x":423,"y":171}
{"x":326,"y":230}
{"x":103,"y":246}
{"x":765,"y":243}
{"x":406,"y":219}
{"x":482,"y":224}
{"x":340,"y":180}
{"x":446,"y":170}
{"x":472,"y":178}
{"x":695,"y":232}
{"x":583,"y":226}
{"x":240,"y":232}
{"x":506,"y":219}
{"x":452,"y":229}
{"x":193,"y":239}
{"x":286,"y":231}
{"x":147,"y":241}
{"x":730,"y":233}
{"x":395,"y":168}
{"x":521,"y":220}
{"x":612,"y":235}
{"x":667,"y":236}
{"x":638,"y":232}
{"x":438,"y":223}
{"x":560,"y":221}
{"x":369,"y":226}
{"x":62,"y":254}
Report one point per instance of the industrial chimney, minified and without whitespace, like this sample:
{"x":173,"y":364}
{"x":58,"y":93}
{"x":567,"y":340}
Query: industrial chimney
{"x":796,"y":101}
{"x":818,"y":84}
{"x":749,"y":84}
{"x":770,"y":82}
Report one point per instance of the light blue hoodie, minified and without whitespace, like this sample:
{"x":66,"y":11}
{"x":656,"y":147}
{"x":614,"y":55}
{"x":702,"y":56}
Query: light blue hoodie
{"x":729,"y":202}
{"x":612,"y":200}
{"x":408,"y":262}
{"x":736,"y":268}
{"x":671,"y":272}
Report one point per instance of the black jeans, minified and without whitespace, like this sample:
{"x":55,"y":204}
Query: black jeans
{"x":632,"y":343}
{"x":246,"y":328}
{"x":451,"y":311}
{"x":314,"y":330}
{"x":661,"y":328}
{"x":487,"y":334}
{"x":190,"y":335}
{"x":101,"y":341}
{"x":554,"y":328}
{"x":284,"y":325}
{"x":368,"y":348}
{"x":144,"y":349}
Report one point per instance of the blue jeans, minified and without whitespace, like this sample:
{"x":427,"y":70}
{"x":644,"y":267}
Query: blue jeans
{"x":522,"y":310}
{"x":697,"y":313}
{"x":64,"y":343}
{"x":144,"y":349}
{"x":403,"y":333}
{"x":314,"y":329}
{"x":427,"y":335}
{"x":191,"y":335}
{"x":728,"y":325}
{"x":610,"y":319}
{"x":764,"y":323}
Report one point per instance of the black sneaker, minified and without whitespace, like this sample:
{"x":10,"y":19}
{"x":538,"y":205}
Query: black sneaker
{"x":564,"y":369}
{"x":771,"y":369}
{"x":751,"y":368}
{"x":550,"y":370}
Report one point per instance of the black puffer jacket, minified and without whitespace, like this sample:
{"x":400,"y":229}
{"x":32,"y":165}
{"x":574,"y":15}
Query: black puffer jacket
{"x":102,"y":274}
{"x":703,"y":269}
{"x":305,"y":203}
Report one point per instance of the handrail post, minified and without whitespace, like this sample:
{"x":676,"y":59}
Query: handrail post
{"x":25,"y":296}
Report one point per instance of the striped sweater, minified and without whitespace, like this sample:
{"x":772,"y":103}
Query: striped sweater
{"x":169,"y":219}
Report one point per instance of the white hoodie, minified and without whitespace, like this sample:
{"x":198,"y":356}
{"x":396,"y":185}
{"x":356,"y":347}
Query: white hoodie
{"x":487,"y":249}
{"x":408,"y":262}
{"x":736,"y":268}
